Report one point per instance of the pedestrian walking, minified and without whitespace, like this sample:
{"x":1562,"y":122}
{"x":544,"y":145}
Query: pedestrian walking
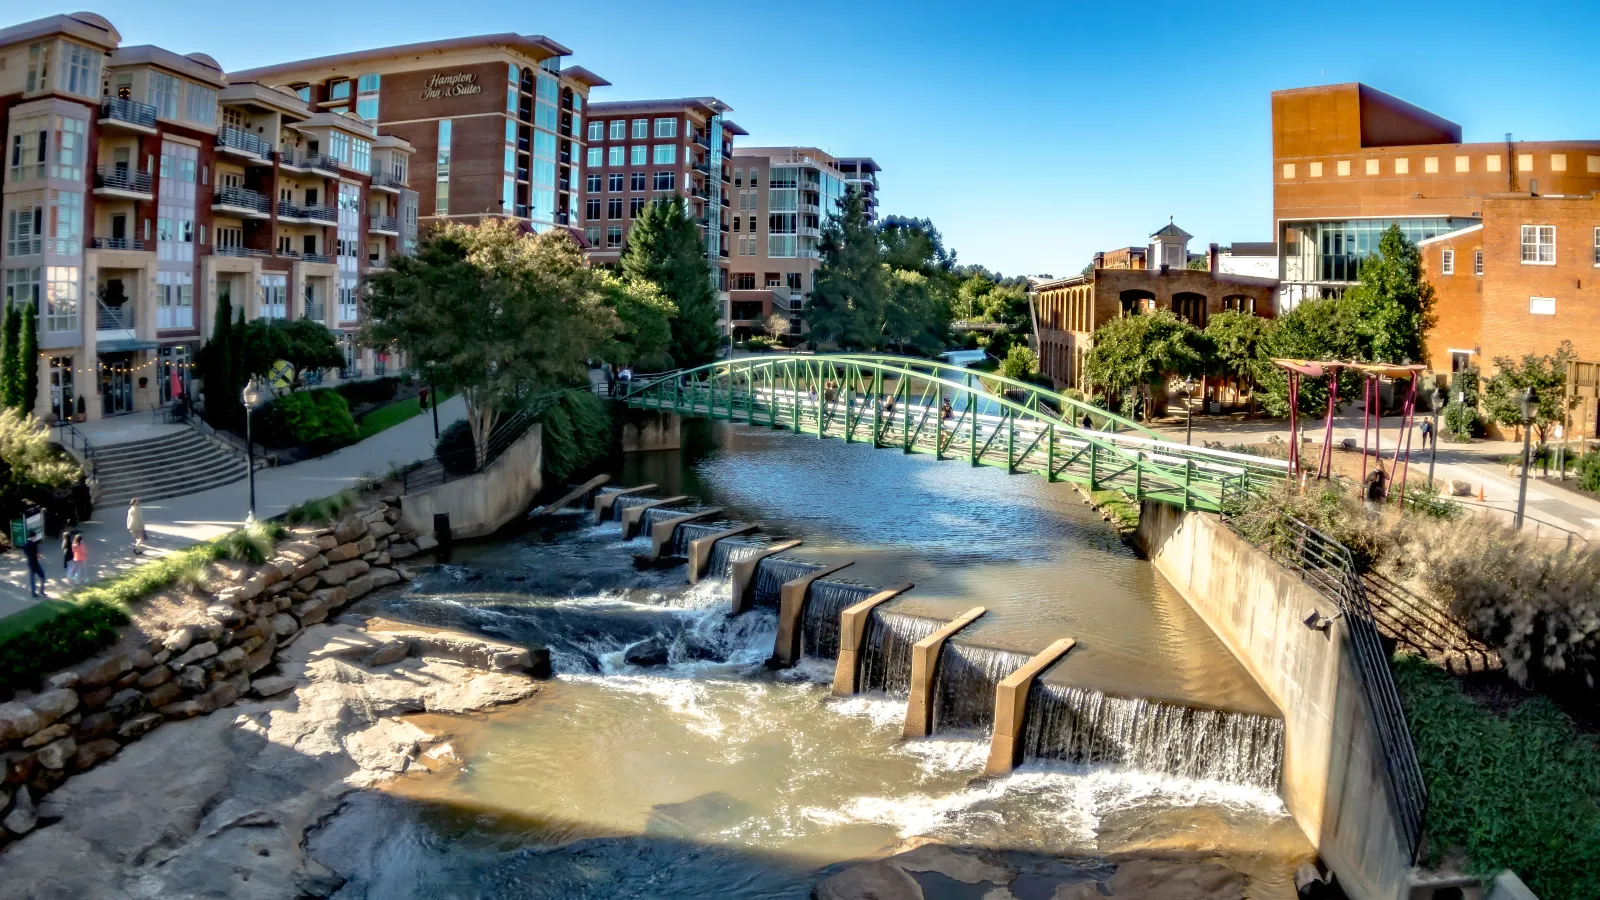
{"x":1088,"y":423}
{"x":136,"y":526}
{"x":945,"y":412}
{"x":422,"y":397}
{"x":80,"y":560}
{"x":1374,"y":490}
{"x":610,"y":370}
{"x":1427,"y":433}
{"x":66,"y":552}
{"x":36,"y":576}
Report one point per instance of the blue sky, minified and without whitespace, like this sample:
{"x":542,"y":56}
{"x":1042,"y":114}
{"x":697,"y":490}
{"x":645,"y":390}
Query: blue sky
{"x":1032,"y":134}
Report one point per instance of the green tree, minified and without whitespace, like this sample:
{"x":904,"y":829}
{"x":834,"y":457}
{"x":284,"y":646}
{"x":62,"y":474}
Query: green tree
{"x":850,"y":289}
{"x":306,"y":345}
{"x":1315,"y":330}
{"x":1239,"y":341}
{"x":776,"y":326}
{"x":1133,"y":354}
{"x":665,"y":248}
{"x":1020,"y":363}
{"x":216,"y":366}
{"x":30,"y":359}
{"x":12,"y":385}
{"x":1547,"y":375}
{"x":645,"y":315}
{"x":914,"y":316}
{"x":492,"y":313}
{"x":1392,"y":308}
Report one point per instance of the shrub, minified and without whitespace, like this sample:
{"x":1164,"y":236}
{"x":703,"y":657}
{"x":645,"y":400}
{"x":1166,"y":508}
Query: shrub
{"x":1461,"y":421}
{"x":577,"y":433}
{"x":1324,"y":505}
{"x":1588,"y":469}
{"x":325,"y":509}
{"x":377,"y":390}
{"x":318,"y":419}
{"x":74,"y":634}
{"x":455,"y":450}
{"x":1020,"y":363}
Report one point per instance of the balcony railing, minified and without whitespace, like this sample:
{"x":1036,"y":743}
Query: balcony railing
{"x":130,"y":111}
{"x":388,"y":224}
{"x":302,"y":159}
{"x":100,"y":243}
{"x":230,"y":138}
{"x":316,"y":258}
{"x":700,"y":138}
{"x":316,"y":311}
{"x":245,"y":252}
{"x":281,"y":253}
{"x":114,"y":318}
{"x":120,"y":178}
{"x":241,"y":198}
{"x":385,"y":179}
{"x":702,"y":168}
{"x":319,"y":213}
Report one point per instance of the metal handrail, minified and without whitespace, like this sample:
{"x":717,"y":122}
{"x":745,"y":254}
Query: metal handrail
{"x":74,"y":439}
{"x":231,"y":138}
{"x":114,"y":318}
{"x":131,"y":111}
{"x":121,"y":178}
{"x":506,"y":432}
{"x":240,"y":198}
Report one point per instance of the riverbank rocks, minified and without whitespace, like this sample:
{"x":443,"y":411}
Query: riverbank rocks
{"x":210,"y":655}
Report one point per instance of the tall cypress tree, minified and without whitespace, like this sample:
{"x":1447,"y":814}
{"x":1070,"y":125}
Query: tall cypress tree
{"x":12,"y":360}
{"x":665,"y":247}
{"x":6,"y":392}
{"x":29,"y":359}
{"x":219,"y":366}
{"x":850,"y":290}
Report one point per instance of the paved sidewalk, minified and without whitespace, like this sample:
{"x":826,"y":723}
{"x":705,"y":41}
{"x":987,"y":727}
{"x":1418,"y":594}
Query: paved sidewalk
{"x":181,"y":521}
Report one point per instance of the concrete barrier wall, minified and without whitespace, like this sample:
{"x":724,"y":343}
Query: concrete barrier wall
{"x":480,"y":504}
{"x":1333,"y":779}
{"x":644,"y":430}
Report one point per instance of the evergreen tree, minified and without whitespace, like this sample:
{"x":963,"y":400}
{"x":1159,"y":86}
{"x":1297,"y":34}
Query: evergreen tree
{"x":6,"y":393}
{"x":1391,"y":308}
{"x":12,"y":361}
{"x":217,"y":366}
{"x":29,"y":354}
{"x":850,"y":290}
{"x":665,"y":248}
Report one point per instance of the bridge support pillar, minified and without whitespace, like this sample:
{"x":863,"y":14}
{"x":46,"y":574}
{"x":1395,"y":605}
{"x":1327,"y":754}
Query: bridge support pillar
{"x":644,"y":430}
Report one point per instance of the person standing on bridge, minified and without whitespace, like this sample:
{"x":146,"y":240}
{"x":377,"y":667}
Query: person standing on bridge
{"x":945,"y":412}
{"x":610,"y":369}
{"x":1088,"y":423}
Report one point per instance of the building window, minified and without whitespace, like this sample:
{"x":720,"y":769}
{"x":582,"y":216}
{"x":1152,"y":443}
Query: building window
{"x":22,"y":286}
{"x":1372,"y":167}
{"x":666,"y":154}
{"x":614,"y":237}
{"x":367,"y":108}
{"x":614,"y":208}
{"x":755,"y":176}
{"x":1402,"y":166}
{"x":1597,"y":246}
{"x":441,"y":193}
{"x":66,"y":222}
{"x":1477,"y":259}
{"x":1539,"y":245}
{"x":619,"y":129}
{"x":666,"y":181}
{"x":339,"y":89}
{"x":71,"y":146}
{"x":597,"y":130}
{"x":61,"y":299}
{"x":81,"y":73}
{"x":592,"y":235}
{"x":202,"y":105}
{"x":641,"y":128}
{"x":592,"y":209}
{"x":636,"y":181}
{"x":174,"y":300}
{"x":596,"y":157}
{"x":594,"y":182}
{"x":1542,"y":306}
{"x":1447,"y":262}
{"x":615,"y":157}
{"x":635,"y":207}
{"x":38,"y":66}
{"x":163,"y":94}
{"x":30,"y":141}
{"x":1288,"y":170}
{"x":666,"y":128}
{"x":1316,"y":170}
{"x":636,"y":155}
{"x":614,"y":182}
{"x":1460,"y":360}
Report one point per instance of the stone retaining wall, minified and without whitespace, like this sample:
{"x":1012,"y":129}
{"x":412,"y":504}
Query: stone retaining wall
{"x":86,"y":714}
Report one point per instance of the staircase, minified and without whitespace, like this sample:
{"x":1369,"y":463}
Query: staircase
{"x":185,"y":463}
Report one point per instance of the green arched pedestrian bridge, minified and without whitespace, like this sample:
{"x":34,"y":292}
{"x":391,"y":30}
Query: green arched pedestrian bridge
{"x":920,"y":406}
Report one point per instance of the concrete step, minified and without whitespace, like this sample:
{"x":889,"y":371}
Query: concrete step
{"x":119,"y":453}
{"x":177,"y":490}
{"x":170,"y":457}
{"x":184,"y":463}
{"x":135,"y":484}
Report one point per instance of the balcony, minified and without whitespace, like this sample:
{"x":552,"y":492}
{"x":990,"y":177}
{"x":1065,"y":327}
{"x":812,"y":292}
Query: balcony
{"x":305,"y":161}
{"x":128,"y":115}
{"x":239,"y":252}
{"x":812,"y":208}
{"x":316,"y":311}
{"x":283,"y":253}
{"x":317,"y":258}
{"x":114,"y":323}
{"x":808,"y":231}
{"x":703,"y":222}
{"x":288,"y":212}
{"x":239,"y":142}
{"x":319,"y":214}
{"x":387,"y":181}
{"x":702,"y":168}
{"x":120,"y":181}
{"x":384,"y":225}
{"x":699,"y":138}
{"x":242,"y":202}
{"x":133,"y":244}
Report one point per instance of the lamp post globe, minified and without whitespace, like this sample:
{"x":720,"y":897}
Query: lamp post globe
{"x":1529,"y":404}
{"x":1433,"y":439}
{"x":252,"y":397}
{"x":1188,"y":407}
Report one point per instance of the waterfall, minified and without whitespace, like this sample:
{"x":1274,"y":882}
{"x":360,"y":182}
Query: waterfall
{"x":773,"y":572}
{"x":828,"y":599}
{"x":655,"y":515}
{"x":886,"y":650}
{"x":1086,"y":726}
{"x":689,"y":532}
{"x":624,"y":502}
{"x":963,"y":695}
{"x":734,"y":549}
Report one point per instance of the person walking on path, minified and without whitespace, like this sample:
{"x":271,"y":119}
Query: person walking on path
{"x":136,"y":526}
{"x":66,"y":551}
{"x":80,"y":560}
{"x":36,"y":576}
{"x":422,"y":397}
{"x":1427,"y":433}
{"x":1374,"y":491}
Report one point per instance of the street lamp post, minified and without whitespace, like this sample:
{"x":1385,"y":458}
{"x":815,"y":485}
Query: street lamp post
{"x":1188,"y":408}
{"x":433,"y":400}
{"x":1438,"y":401}
{"x":252,"y":398}
{"x":1529,"y":403}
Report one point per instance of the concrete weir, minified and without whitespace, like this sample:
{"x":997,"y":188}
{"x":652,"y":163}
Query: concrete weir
{"x":852,"y":627}
{"x":1011,"y":708}
{"x":925,"y":672}
{"x":786,"y":648}
{"x":632,"y":515}
{"x":743,"y":577}
{"x":661,"y":534}
{"x":605,"y":501}
{"x":700,"y":548}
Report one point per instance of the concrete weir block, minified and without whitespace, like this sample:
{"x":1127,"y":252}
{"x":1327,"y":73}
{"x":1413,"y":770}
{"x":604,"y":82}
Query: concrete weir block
{"x":1011,"y":708}
{"x":700,"y":548}
{"x":852,"y":629}
{"x":744,"y":577}
{"x":661,"y":534}
{"x":633,"y":515}
{"x":786,"y":647}
{"x":925,"y":669}
{"x":603,"y":503}
{"x":571,"y":497}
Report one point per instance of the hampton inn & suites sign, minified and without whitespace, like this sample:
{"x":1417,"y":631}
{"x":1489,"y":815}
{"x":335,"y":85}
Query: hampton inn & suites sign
{"x":458,"y":84}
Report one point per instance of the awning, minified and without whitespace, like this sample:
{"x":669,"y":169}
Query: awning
{"x":126,"y":346}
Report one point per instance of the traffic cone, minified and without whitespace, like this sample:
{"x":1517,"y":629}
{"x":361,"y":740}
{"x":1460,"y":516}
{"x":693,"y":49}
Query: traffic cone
{"x":1481,"y":498}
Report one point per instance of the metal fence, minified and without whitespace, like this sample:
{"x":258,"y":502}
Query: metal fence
{"x":465,"y":461}
{"x":1327,"y":566}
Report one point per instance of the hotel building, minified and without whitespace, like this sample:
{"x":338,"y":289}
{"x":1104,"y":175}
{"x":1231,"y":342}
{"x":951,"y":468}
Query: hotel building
{"x":1509,"y":230}
{"x":782,"y":198}
{"x":642,"y":150}
{"x":861,"y":173}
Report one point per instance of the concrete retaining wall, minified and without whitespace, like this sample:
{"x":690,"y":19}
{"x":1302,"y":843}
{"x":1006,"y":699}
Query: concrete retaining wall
{"x":1333,"y":779}
{"x":644,"y":430}
{"x":479,"y":505}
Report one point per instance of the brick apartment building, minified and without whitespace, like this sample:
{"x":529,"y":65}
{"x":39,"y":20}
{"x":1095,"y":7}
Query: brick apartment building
{"x":640,"y":150}
{"x":1509,"y":230}
{"x":1067,"y":311}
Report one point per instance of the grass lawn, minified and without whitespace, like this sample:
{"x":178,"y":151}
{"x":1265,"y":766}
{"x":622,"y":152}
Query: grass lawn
{"x":1124,"y":512}
{"x":386,"y":417}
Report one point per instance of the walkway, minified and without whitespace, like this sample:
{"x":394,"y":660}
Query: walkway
{"x":182,"y":521}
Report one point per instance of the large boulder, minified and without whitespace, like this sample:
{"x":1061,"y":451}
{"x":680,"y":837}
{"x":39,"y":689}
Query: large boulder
{"x":646,"y":653}
{"x":52,"y":705}
{"x":335,"y":575}
{"x":17,"y":721}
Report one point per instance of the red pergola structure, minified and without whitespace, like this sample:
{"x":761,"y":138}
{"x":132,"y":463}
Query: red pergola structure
{"x":1372,"y":417}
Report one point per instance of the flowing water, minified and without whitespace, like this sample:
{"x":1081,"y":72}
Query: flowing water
{"x":713,"y":775}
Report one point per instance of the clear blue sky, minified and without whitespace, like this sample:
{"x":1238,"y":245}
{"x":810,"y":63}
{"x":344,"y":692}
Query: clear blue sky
{"x":1032,"y":134}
